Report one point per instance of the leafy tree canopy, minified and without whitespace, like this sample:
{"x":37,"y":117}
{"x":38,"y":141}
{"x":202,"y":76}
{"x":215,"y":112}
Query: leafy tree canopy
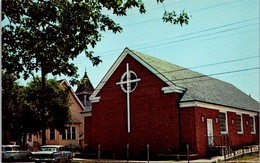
{"x":57,"y":104}
{"x":21,"y":107}
{"x":46,"y":34}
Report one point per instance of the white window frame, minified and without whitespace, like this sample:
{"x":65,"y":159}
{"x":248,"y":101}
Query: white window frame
{"x":224,"y":132}
{"x":254,"y":132}
{"x":66,"y":133}
{"x":241,"y":123}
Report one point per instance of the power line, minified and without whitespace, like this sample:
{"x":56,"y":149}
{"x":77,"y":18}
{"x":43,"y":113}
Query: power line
{"x":200,"y":66}
{"x":197,"y":41}
{"x":155,"y":8}
{"x":202,"y":77}
{"x":195,"y":10}
{"x":194,"y":37}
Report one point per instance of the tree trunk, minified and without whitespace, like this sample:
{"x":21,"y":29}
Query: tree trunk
{"x":43,"y":106}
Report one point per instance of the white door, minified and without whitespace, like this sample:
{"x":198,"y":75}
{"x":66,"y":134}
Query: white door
{"x":210,"y":132}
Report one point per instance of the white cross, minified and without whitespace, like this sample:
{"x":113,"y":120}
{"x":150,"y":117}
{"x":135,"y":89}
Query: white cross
{"x":128,"y":91}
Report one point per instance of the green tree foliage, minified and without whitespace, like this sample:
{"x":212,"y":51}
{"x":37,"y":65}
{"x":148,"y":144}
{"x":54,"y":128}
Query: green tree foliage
{"x":18,"y":118}
{"x":21,"y":108}
{"x":46,"y":34}
{"x":10,"y":106}
{"x":57,"y":105}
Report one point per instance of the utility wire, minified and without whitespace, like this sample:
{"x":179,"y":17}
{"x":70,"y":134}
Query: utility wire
{"x":194,"y":67}
{"x":195,"y":10}
{"x":185,"y":80}
{"x":177,"y":41}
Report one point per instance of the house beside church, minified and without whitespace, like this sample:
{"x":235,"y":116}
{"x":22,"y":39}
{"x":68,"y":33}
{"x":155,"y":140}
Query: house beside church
{"x":144,"y":101}
{"x":74,"y":132}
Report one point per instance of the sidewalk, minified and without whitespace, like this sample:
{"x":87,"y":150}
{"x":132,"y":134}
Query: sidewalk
{"x":79,"y":160}
{"x":253,"y":149}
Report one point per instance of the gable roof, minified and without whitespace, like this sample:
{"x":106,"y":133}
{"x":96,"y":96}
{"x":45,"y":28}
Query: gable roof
{"x":194,"y":85}
{"x":202,"y":87}
{"x":64,"y":81}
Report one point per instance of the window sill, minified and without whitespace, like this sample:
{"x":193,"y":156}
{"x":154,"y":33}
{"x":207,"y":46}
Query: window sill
{"x":240,"y":133}
{"x":253,"y":133}
{"x":223,"y":132}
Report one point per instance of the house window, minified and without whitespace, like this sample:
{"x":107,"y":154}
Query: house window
{"x":73,"y":132}
{"x":52,"y":134}
{"x":252,"y":125}
{"x":69,"y":133}
{"x":223,"y":123}
{"x":239,"y":124}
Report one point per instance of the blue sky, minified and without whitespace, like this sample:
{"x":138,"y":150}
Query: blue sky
{"x":219,"y":31}
{"x":223,"y":34}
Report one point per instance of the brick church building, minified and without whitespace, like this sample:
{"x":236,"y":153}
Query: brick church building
{"x":143,"y":100}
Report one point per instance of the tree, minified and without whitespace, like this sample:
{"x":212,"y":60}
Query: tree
{"x":22,"y":108}
{"x":57,"y":105}
{"x":10,"y":106}
{"x":18,"y":118}
{"x":47,"y":34}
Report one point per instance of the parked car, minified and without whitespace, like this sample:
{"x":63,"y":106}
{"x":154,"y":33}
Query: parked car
{"x":14,"y":152}
{"x":52,"y":153}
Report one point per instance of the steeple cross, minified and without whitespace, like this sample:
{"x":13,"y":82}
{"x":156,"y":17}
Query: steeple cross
{"x":128,"y":84}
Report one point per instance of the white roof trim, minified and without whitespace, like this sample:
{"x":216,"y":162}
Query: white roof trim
{"x":172,"y":88}
{"x":76,"y":97}
{"x":169,"y":89}
{"x":216,"y":107}
{"x":95,"y":99}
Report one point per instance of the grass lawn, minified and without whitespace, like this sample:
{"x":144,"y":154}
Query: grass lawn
{"x":246,"y":158}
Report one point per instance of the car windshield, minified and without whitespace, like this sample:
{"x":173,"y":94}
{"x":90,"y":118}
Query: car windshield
{"x":16,"y":148}
{"x":53,"y":149}
{"x":10,"y":148}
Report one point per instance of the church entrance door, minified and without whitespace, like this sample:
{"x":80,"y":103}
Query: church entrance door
{"x":210,"y":132}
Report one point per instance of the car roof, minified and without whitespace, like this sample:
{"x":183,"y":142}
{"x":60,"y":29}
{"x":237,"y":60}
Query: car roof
{"x":11,"y":146}
{"x":56,"y":146}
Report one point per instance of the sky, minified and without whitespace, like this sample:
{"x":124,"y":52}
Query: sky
{"x":221,"y":40}
{"x":223,"y":34}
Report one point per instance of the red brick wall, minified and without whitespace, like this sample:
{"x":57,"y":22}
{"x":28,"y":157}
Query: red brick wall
{"x":88,"y":134}
{"x":193,"y":115}
{"x":201,"y":128}
{"x":188,"y":128}
{"x":154,"y":115}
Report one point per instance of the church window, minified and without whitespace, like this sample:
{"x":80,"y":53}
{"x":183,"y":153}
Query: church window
{"x":223,"y":123}
{"x":239,"y":124}
{"x":252,"y":125}
{"x":52,"y":134}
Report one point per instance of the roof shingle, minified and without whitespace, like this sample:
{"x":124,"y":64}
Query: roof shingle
{"x":201,"y":87}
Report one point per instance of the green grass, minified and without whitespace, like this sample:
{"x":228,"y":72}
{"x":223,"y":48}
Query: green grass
{"x":246,"y":157}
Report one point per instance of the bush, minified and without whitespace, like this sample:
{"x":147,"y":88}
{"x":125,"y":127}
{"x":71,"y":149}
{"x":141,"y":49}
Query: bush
{"x":74,"y":148}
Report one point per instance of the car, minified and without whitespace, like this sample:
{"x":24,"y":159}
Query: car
{"x":52,"y":153}
{"x":14,"y":152}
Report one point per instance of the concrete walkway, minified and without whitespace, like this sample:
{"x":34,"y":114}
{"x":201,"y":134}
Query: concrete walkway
{"x":252,"y":149}
{"x":214,"y":159}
